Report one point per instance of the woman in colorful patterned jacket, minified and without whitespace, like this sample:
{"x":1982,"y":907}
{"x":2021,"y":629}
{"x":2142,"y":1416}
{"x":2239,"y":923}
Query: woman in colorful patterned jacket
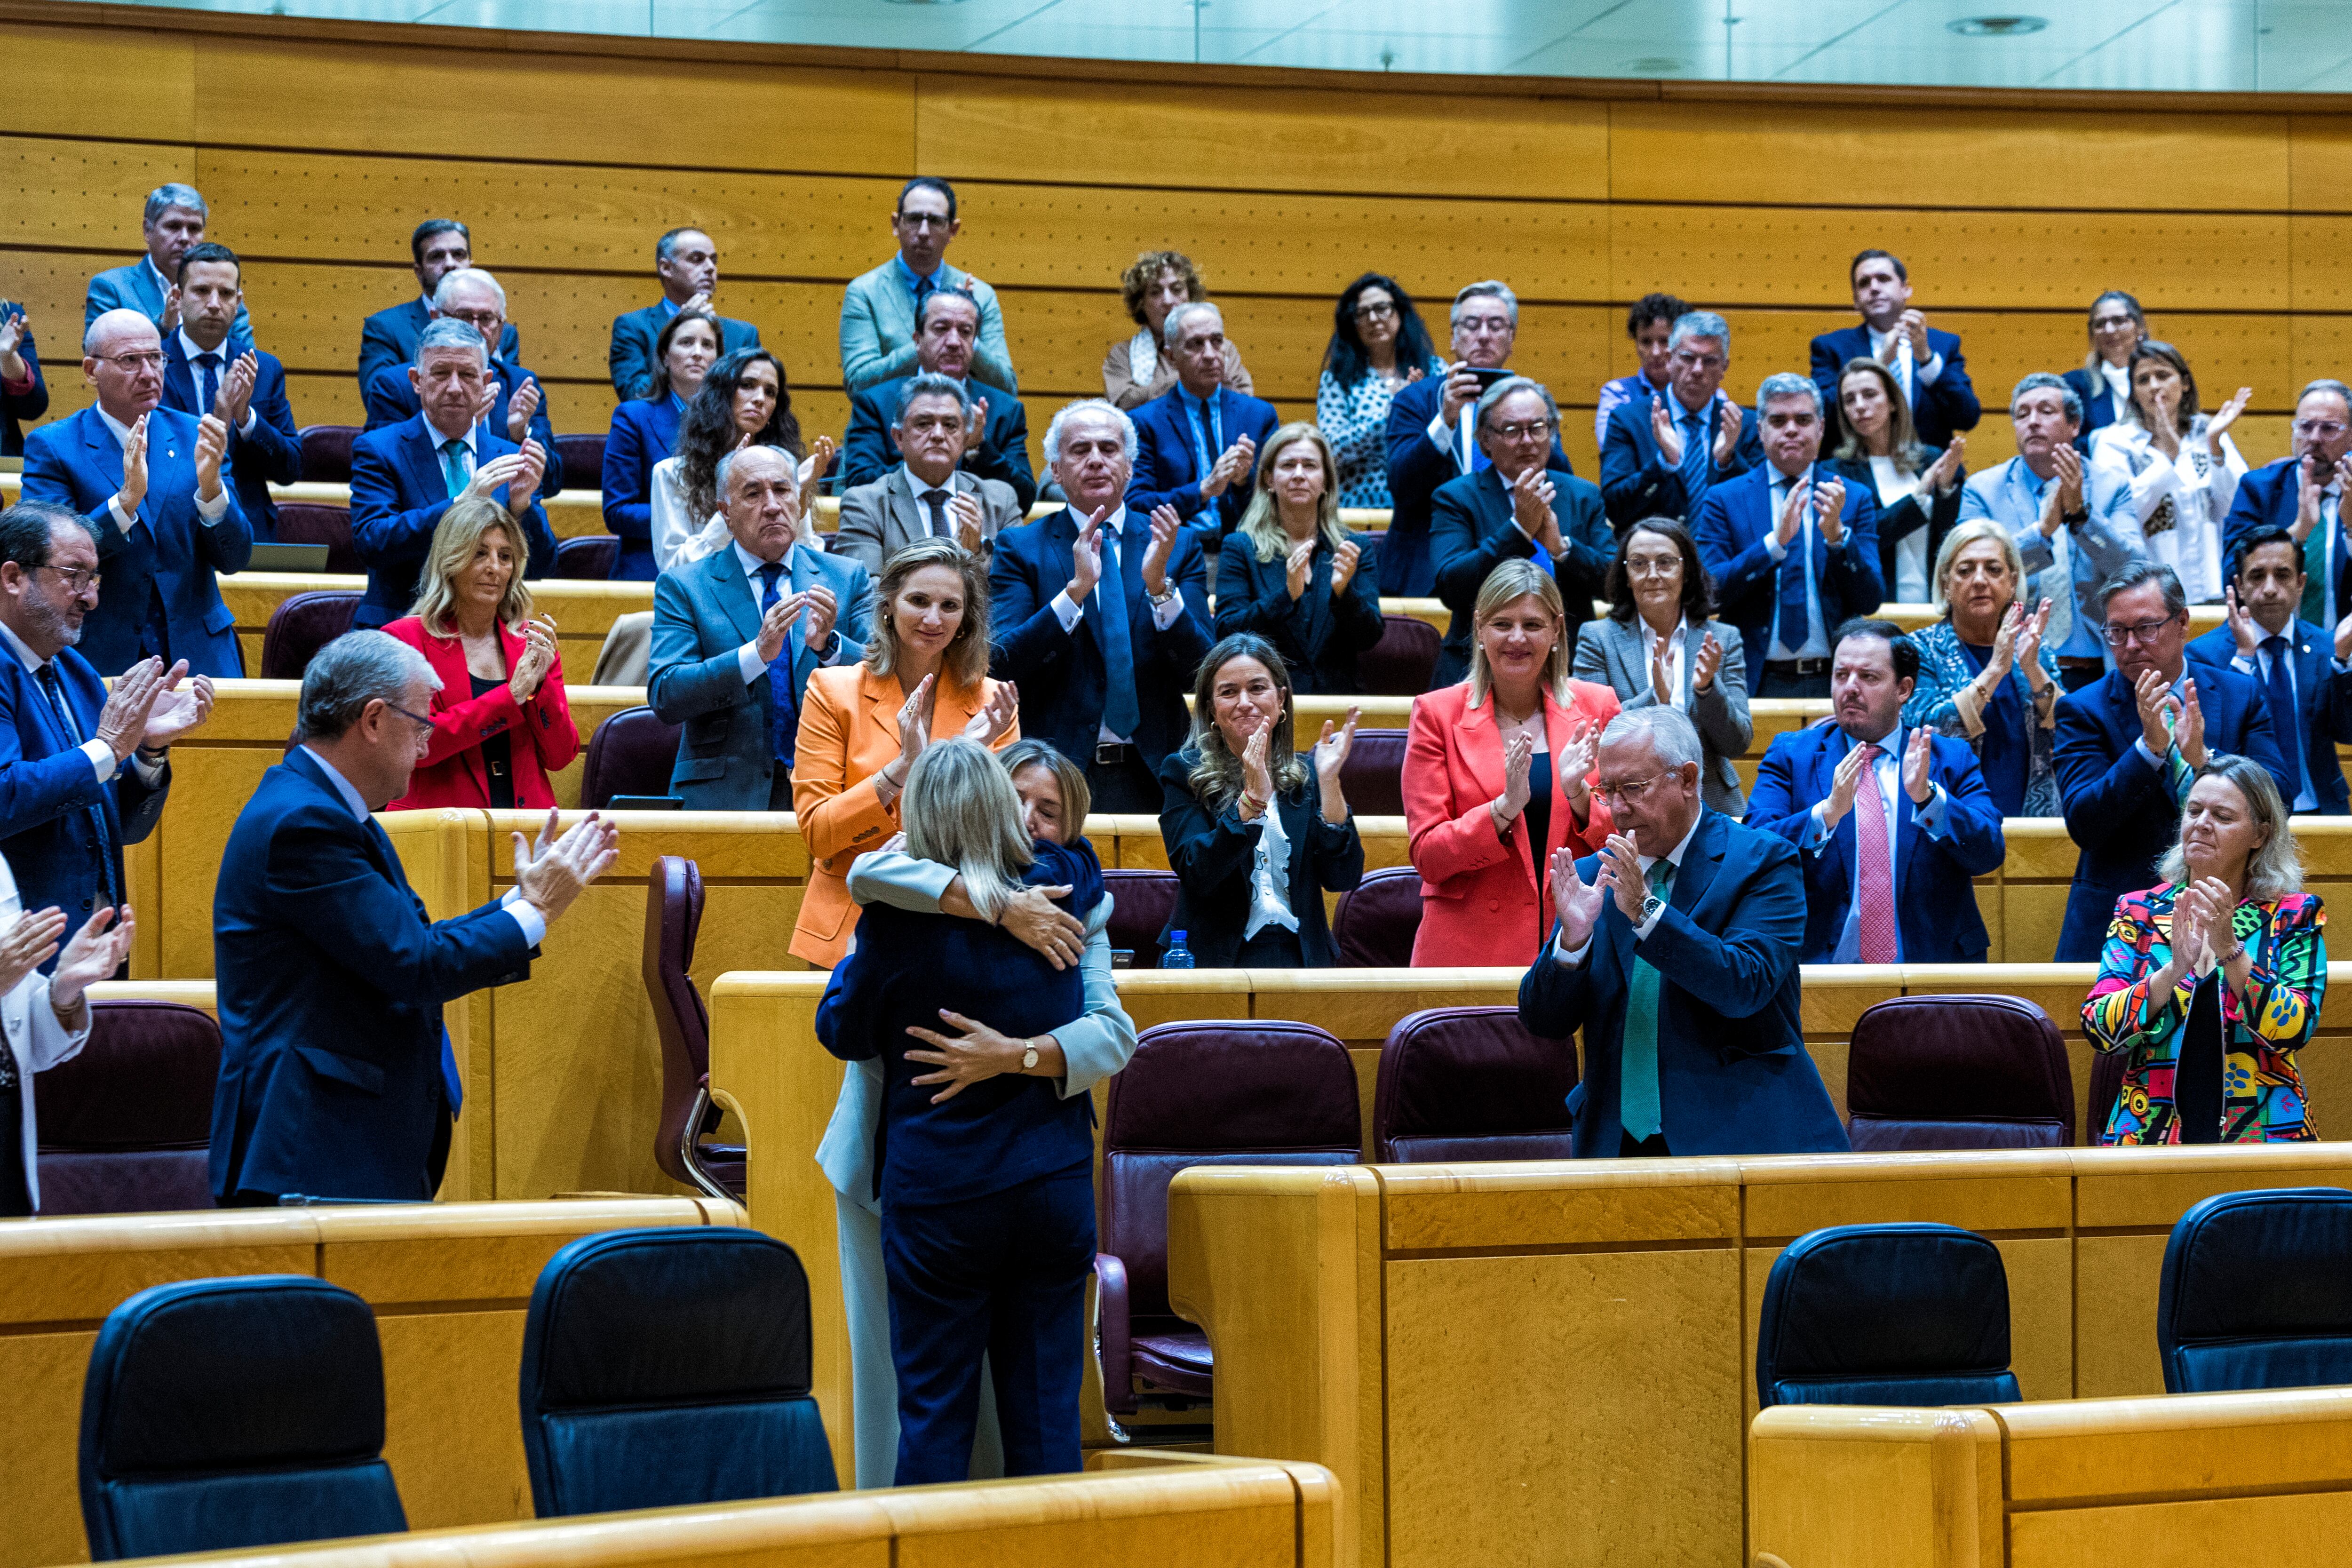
{"x":2211,"y":981}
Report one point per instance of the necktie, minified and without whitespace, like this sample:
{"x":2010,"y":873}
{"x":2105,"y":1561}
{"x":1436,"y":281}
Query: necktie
{"x":1121,"y":711}
{"x":211,"y":389}
{"x":1637,"y":1090}
{"x":2314,"y":570}
{"x":1474,"y":455}
{"x":1796,"y":569}
{"x":783,"y":697}
{"x":453,"y":466}
{"x":1207,"y":442}
{"x":924,"y":288}
{"x":2287,"y":720}
{"x":72,"y":726}
{"x":937,"y":501}
{"x":2196,"y":1101}
{"x":1874,"y":880}
{"x":1696,"y":465}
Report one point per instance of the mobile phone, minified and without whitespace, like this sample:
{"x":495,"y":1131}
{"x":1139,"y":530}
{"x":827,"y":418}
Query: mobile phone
{"x":1487,"y":375}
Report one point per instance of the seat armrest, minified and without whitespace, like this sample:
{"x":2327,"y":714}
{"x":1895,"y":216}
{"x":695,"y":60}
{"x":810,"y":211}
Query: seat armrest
{"x":1113,"y":1345}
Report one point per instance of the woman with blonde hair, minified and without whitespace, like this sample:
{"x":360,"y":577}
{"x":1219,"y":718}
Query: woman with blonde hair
{"x":501,"y":726}
{"x":1984,"y":673}
{"x":924,"y":678}
{"x":1291,"y":574}
{"x":1134,"y":369}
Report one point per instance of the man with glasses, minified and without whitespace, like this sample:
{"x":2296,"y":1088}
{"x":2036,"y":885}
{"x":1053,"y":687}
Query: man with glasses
{"x":2305,"y":495}
{"x":439,"y":246}
{"x":1515,"y":507}
{"x":2129,"y":745}
{"x":1675,"y":953}
{"x":880,"y":308}
{"x":1196,"y":445}
{"x":157,"y":485}
{"x":1663,"y":454}
{"x":687,"y":262}
{"x":513,"y":406}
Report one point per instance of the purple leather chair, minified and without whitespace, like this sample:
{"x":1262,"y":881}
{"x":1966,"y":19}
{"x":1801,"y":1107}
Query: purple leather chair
{"x":126,"y":1126}
{"x":327,"y":453}
{"x":584,"y":457}
{"x":1957,"y":1072}
{"x":1141,"y":902}
{"x":1378,"y":919}
{"x":1471,"y":1083}
{"x":632,"y":752}
{"x":1240,"y":1093}
{"x":312,"y":522}
{"x":2107,"y":1084}
{"x":1401,"y":662}
{"x":1373,"y":778}
{"x":589,"y":557}
{"x":673,"y":916}
{"x":299,"y":627}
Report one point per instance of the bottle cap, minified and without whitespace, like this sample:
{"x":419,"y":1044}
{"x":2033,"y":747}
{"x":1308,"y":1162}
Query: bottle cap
{"x":1176,"y":935}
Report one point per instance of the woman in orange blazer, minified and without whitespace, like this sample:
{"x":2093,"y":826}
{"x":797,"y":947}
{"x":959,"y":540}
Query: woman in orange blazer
{"x":501,"y":726}
{"x":1497,"y":774}
{"x":924,"y":678}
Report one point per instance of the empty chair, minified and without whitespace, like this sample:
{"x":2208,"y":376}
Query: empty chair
{"x":2257,"y":1292}
{"x":299,"y":627}
{"x":1471,"y":1083}
{"x":1959,"y":1072}
{"x":673,"y":919}
{"x":1376,"y":921}
{"x":1401,"y":662}
{"x":1885,"y":1314}
{"x":1373,"y":775}
{"x":1142,"y":903}
{"x":587,"y":558}
{"x":235,"y":1412}
{"x":668,"y":1366}
{"x":1267,"y":1093}
{"x":126,"y":1125}
{"x":582,"y":455}
{"x":312,"y":522}
{"x":632,"y":752}
{"x":327,"y":453}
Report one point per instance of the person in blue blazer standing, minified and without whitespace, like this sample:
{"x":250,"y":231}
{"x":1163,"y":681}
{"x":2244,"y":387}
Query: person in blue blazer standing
{"x":1793,"y":549}
{"x":337,"y":1079}
{"x":404,"y":476}
{"x":2304,"y":493}
{"x":644,"y":431}
{"x":2303,"y":669}
{"x":1675,"y":953}
{"x":687,"y":262}
{"x":171,"y":224}
{"x":2129,"y":745}
{"x":248,"y":390}
{"x":24,"y":395}
{"x":1662,"y":457}
{"x":517,"y":408}
{"x":1892,"y":825}
{"x":158,"y":487}
{"x":1196,"y":445}
{"x":1927,"y":361}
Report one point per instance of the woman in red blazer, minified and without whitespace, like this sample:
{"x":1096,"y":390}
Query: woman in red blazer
{"x":1497,"y":774}
{"x":500,"y":723}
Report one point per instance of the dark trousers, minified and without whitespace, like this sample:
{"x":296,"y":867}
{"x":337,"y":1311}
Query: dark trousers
{"x":1654,"y":1147}
{"x":2074,"y":677}
{"x":16,"y":1196}
{"x":1769,"y":683}
{"x":1128,"y":786}
{"x":1006,"y":1273}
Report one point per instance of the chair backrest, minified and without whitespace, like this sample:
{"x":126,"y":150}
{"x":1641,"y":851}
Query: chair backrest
{"x":1378,"y":919}
{"x":1373,"y":778}
{"x":587,"y":559}
{"x":1401,"y":662}
{"x":583,"y":457}
{"x":316,"y":522}
{"x":632,"y":752}
{"x":2107,"y":1088}
{"x":668,"y":1366}
{"x":126,"y":1124}
{"x":673,"y":919}
{"x":327,"y":453}
{"x":299,"y":627}
{"x":1959,"y":1072}
{"x":1471,"y":1083}
{"x":1885,"y":1314}
{"x":235,"y":1412}
{"x":1245,"y":1093}
{"x":1140,"y":905}
{"x":2257,"y":1292}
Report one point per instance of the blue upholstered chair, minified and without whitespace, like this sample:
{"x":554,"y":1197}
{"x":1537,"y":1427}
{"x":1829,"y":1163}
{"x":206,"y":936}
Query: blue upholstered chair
{"x":2257,"y":1292}
{"x":670,"y":1366}
{"x":235,"y":1412}
{"x":1885,"y":1314}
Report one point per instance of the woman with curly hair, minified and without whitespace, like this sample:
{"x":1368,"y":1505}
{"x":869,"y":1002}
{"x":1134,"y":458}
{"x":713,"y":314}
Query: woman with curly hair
{"x":1134,"y":371}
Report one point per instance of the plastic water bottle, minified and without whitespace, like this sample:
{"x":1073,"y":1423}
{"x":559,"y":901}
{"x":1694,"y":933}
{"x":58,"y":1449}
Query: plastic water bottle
{"x":1178,"y":955}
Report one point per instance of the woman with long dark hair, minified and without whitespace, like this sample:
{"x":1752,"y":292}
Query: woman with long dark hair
{"x":1378,"y":344}
{"x":2179,"y":463}
{"x":644,"y":431}
{"x":745,"y":401}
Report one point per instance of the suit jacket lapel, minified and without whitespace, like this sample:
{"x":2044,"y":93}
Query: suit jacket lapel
{"x":419,"y":447}
{"x":1482,"y":747}
{"x":738,"y":595}
{"x":179,"y":377}
{"x":914,"y":521}
{"x":1841,"y":837}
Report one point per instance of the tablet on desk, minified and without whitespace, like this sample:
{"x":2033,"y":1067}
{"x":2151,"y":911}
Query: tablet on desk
{"x":287,"y":558}
{"x":645,"y":803}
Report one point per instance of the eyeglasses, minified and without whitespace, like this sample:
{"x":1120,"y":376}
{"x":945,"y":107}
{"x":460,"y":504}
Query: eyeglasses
{"x":1653,"y":565}
{"x":2145,"y":631}
{"x":132,"y":364}
{"x":2111,"y":323}
{"x":78,"y":580}
{"x":1375,"y":311}
{"x":1523,"y":429}
{"x":2319,"y":429}
{"x":924,"y":220}
{"x":480,"y":320}
{"x":418,"y":719}
{"x":1627,"y":793}
{"x":1488,"y":326}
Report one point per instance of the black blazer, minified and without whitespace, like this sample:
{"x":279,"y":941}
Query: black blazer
{"x":1907,"y":516}
{"x":1318,"y":638}
{"x":1212,"y":855}
{"x":1472,"y":531}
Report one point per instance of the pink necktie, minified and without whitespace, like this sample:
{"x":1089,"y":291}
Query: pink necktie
{"x":1875,"y":919}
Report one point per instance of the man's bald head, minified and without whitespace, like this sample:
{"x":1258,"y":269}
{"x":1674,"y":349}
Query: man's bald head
{"x":125,"y":327}
{"x":122,"y":355}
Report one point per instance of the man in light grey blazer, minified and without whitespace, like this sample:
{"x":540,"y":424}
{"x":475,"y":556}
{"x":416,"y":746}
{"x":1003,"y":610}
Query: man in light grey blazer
{"x":738,"y":633}
{"x":877,"y":310}
{"x":927,"y":496}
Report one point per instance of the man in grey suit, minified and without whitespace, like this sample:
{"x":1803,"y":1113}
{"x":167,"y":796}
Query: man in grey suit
{"x":687,"y":262}
{"x":879,"y":309}
{"x":736,"y":634}
{"x":927,"y":496}
{"x":173,"y":224}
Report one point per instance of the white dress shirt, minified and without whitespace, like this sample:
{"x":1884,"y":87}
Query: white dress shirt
{"x":1677,"y":642}
{"x":1893,"y":485}
{"x":1908,"y":376}
{"x":189,"y":349}
{"x":208,"y":512}
{"x":100,"y":754}
{"x":747,"y":658}
{"x":2258,"y":664}
{"x":525,"y":913}
{"x":2118,"y":380}
{"x":1164,"y":614}
{"x":918,"y":487}
{"x":1674,"y":858}
{"x":1808,"y":540}
{"x":1270,"y":877}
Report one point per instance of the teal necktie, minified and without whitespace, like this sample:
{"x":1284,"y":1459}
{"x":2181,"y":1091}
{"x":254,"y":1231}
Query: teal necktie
{"x":453,"y":465}
{"x":1637,"y":1089}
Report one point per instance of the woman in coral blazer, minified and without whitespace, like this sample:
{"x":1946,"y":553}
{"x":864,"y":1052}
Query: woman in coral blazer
{"x":501,"y":725}
{"x":924,"y":679}
{"x":1490,"y":792}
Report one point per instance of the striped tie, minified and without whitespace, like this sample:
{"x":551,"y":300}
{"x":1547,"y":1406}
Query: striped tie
{"x":1696,"y":467}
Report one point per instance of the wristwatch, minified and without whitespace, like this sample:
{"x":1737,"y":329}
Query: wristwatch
{"x":1028,"y":1056}
{"x":1652,"y":907}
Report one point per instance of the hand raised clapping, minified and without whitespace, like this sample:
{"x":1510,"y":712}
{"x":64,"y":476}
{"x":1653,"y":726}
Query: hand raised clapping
{"x":539,"y":657}
{"x":550,"y":874}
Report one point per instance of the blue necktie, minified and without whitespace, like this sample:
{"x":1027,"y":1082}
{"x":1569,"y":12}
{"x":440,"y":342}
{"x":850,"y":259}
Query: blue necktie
{"x":1796,"y":567}
{"x":1121,"y":711}
{"x":1208,"y":435}
{"x":1474,"y":455}
{"x":924,"y":288}
{"x":784,"y":699}
{"x":2286,"y":721}
{"x":453,"y":466}
{"x":210,"y":364}
{"x":1637,"y":1087}
{"x":1697,"y":464}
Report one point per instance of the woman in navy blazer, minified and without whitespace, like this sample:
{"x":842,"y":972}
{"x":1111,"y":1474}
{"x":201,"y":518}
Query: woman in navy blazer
{"x":1293,"y":575}
{"x":1255,"y":835}
{"x":643,"y":433}
{"x":2117,"y":325}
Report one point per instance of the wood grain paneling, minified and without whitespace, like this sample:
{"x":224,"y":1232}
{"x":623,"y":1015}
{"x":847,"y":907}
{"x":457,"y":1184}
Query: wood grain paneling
{"x":99,"y":81}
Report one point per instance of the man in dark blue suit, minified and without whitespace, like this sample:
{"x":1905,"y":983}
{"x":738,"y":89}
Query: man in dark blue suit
{"x":1196,"y":444}
{"x":515,"y":408}
{"x":1892,"y":825}
{"x":1432,"y":440}
{"x":157,"y":485}
{"x":388,"y":339}
{"x":404,"y":477}
{"x":2305,"y":495}
{"x":687,"y":262}
{"x":2305,"y":677}
{"x":1675,"y":952}
{"x":1100,"y":616}
{"x":1661,"y":457}
{"x":2129,"y":745}
{"x":24,"y":395}
{"x":171,"y":224}
{"x":83,"y":771}
{"x":337,"y":1078}
{"x":1927,"y":363}
{"x":1793,"y":550}
{"x":944,"y":341}
{"x":247,"y":391}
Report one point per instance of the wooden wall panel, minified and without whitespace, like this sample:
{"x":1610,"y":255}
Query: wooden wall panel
{"x":149,"y":78}
{"x":55,"y":191}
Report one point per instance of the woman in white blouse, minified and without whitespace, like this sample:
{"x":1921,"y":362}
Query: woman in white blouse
{"x":1918,"y":486}
{"x":743,"y":402}
{"x":2182,"y":464}
{"x":45,"y":1018}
